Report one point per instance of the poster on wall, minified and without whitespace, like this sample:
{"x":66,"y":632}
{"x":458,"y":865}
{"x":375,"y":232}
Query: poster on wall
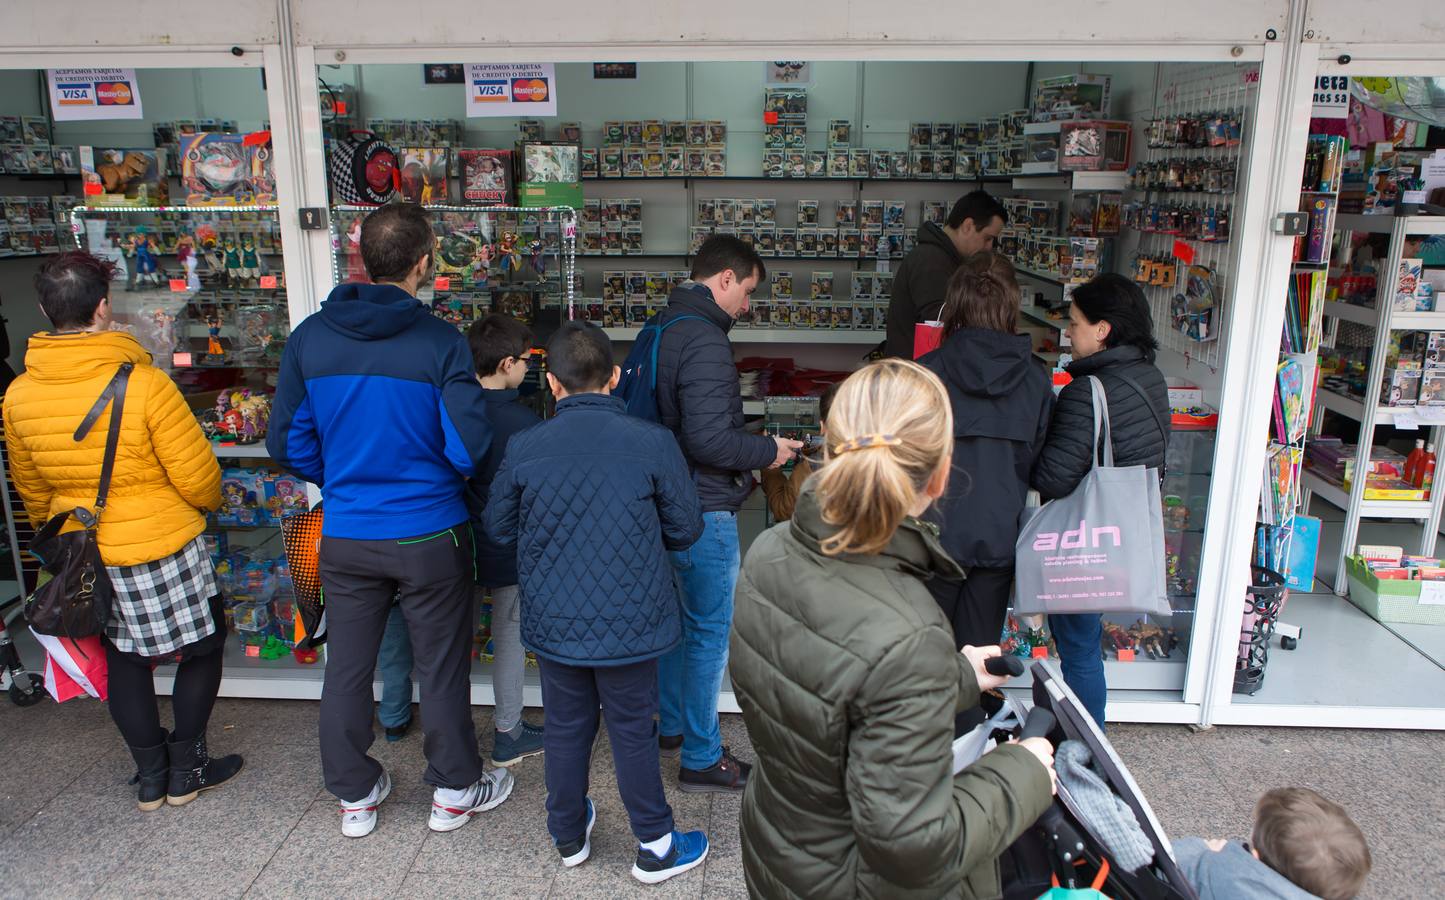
{"x":78,"y":95}
{"x":443,"y":73}
{"x":614,"y":70}
{"x":787,"y":74}
{"x":1331,"y":97}
{"x":527,"y":90}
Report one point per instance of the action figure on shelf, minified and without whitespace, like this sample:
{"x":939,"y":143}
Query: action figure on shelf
{"x":213,"y":337}
{"x":163,"y":331}
{"x":509,"y":258}
{"x":233,"y":264}
{"x":1115,"y":638}
{"x":1156,"y":642}
{"x":250,"y":262}
{"x":481,"y":265}
{"x":127,"y":248}
{"x":146,"y":267}
{"x":355,"y":268}
{"x":535,"y":251}
{"x":186,"y":256}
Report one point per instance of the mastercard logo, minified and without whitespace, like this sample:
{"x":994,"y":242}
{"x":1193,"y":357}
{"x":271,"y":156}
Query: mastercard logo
{"x":113,"y":93}
{"x":529,"y":90}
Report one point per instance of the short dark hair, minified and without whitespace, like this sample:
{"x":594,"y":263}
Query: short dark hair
{"x":980,"y":207}
{"x":393,"y":238}
{"x":1311,"y":841}
{"x":71,"y":286}
{"x":825,"y":401}
{"x":495,"y":338}
{"x":580,"y":356}
{"x":983,"y":293}
{"x":1112,"y":298}
{"x":723,"y":252}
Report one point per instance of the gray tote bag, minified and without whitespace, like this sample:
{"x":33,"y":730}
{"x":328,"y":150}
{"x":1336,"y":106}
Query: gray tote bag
{"x":1100,"y":549}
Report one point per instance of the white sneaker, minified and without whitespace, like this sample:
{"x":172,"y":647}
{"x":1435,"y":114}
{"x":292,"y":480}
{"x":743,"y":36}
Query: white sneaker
{"x":451,"y":810}
{"x":359,"y":819}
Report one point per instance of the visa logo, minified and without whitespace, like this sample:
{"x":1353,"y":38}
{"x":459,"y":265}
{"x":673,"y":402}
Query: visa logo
{"x":73,"y":94}
{"x":490,"y":91}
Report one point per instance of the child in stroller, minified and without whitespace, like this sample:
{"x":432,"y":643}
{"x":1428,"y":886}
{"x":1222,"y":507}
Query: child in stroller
{"x":1101,"y":833}
{"x":1303,"y":846}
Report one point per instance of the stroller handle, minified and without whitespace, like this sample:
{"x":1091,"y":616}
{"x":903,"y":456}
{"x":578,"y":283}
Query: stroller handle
{"x":1039,"y":723}
{"x":1004,"y":665}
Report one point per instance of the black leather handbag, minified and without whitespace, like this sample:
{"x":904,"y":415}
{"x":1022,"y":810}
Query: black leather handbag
{"x":76,"y":601}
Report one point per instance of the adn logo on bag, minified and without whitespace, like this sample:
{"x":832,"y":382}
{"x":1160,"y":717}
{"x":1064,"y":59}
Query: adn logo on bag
{"x":1073,"y":538}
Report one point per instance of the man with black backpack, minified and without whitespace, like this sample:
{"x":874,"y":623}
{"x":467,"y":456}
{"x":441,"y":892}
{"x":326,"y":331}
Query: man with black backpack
{"x":699,"y":397}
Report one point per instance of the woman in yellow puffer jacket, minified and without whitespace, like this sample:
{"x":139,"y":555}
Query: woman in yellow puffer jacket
{"x":165,"y":479}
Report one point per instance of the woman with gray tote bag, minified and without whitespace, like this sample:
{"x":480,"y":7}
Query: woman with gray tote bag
{"x":1112,"y":336}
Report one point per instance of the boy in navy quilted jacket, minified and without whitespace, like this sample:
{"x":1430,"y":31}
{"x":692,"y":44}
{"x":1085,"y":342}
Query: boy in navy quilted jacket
{"x":593,"y":499}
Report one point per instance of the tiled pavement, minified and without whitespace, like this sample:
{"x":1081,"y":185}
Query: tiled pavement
{"x":69,"y":827}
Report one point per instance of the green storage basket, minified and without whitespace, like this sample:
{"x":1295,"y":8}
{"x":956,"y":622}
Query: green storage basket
{"x":1390,"y":600}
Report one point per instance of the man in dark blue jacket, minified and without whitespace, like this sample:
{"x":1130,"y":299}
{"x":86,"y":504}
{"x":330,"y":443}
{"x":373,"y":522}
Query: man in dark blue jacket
{"x":377,"y":405}
{"x":699,"y":397}
{"x":593,"y":500}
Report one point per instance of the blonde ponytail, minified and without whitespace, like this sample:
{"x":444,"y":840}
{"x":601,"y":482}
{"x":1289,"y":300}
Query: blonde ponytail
{"x":890,"y":431}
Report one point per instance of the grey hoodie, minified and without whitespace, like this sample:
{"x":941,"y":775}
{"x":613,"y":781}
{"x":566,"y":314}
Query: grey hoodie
{"x":1232,"y":873}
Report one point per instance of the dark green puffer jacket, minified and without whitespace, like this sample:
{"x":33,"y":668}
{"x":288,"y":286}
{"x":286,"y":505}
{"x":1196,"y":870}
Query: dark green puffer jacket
{"x":848,"y":680}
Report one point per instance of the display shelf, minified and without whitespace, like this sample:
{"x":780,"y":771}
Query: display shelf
{"x":1039,"y":276}
{"x":1350,"y":312}
{"x":1142,"y":674}
{"x":1072,"y":181}
{"x":683,"y":179}
{"x":1367,"y":224}
{"x":687,"y":254}
{"x":775,"y":336}
{"x":1039,"y":315}
{"x":754,"y":407}
{"x":1373,"y":509}
{"x":241,"y":451}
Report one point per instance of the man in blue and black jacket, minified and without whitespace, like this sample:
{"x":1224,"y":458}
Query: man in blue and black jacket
{"x":377,"y":405}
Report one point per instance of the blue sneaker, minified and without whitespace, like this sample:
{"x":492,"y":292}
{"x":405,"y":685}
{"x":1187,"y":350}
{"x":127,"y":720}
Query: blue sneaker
{"x":508,"y":751}
{"x":575,"y":853}
{"x":689,"y":849}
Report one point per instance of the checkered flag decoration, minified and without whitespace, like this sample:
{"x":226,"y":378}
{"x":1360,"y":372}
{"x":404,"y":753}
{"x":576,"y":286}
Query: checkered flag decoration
{"x":301,"y":534}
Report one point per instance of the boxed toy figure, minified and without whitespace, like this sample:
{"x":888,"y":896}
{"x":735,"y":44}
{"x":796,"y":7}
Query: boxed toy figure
{"x":859,"y":163}
{"x":1070,"y":97}
{"x":215,"y":169}
{"x":551,"y":175}
{"x":1401,"y":387}
{"x":118,"y":176}
{"x":423,"y":174}
{"x":1093,"y":146}
{"x":882,"y":164}
{"x":840,"y":133}
{"x":263,"y":172}
{"x":838,"y":161}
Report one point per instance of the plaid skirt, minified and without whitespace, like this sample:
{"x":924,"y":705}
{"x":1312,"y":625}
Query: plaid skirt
{"x":163,"y":605}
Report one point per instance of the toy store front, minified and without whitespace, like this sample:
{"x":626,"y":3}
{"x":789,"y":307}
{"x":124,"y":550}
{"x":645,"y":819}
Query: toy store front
{"x":169,"y":173}
{"x":830,"y":168}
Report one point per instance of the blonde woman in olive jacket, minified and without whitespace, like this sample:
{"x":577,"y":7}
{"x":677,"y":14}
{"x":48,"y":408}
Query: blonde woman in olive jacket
{"x":848,"y":679}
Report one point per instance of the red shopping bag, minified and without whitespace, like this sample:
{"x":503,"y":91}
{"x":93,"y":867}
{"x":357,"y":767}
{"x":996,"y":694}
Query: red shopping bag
{"x":927,"y":336}
{"x":74,"y":667}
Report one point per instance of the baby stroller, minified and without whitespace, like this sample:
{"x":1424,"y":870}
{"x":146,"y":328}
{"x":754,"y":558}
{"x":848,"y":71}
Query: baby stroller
{"x":25,"y":688}
{"x":1100,"y":832}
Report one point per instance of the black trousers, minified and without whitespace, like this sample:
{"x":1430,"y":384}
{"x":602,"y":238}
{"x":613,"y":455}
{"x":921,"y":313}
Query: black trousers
{"x":433,"y":574}
{"x":627,"y":695}
{"x":976,"y":609}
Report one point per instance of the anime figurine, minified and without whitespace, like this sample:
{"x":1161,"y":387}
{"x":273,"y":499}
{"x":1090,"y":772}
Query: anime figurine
{"x":143,"y":247}
{"x":355,"y":268}
{"x":509,"y":257}
{"x":233,"y":264}
{"x":127,"y":247}
{"x":1115,"y":638}
{"x":186,"y":256}
{"x":535,"y":252}
{"x":213,"y":337}
{"x":250,"y":261}
{"x":163,"y":330}
{"x":481,"y":264}
{"x":426,"y":187}
{"x":1156,"y":642}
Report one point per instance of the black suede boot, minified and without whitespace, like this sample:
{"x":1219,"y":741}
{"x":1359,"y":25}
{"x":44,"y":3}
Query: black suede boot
{"x":152,"y":773}
{"x":193,"y":770}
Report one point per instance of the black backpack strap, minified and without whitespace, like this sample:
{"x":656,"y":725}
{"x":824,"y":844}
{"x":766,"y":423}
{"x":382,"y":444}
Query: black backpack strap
{"x":114,"y":391}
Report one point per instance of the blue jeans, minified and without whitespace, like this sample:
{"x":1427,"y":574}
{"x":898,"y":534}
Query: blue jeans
{"x":1078,"y":640}
{"x":690,"y":677}
{"x":395,"y":661}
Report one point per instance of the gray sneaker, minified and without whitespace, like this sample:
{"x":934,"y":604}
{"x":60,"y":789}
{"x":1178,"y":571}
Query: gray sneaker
{"x":490,"y":791}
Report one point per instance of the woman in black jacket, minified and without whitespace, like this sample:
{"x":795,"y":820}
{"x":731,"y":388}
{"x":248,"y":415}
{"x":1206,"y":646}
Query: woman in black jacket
{"x":1112,"y":337}
{"x":1000,"y":398}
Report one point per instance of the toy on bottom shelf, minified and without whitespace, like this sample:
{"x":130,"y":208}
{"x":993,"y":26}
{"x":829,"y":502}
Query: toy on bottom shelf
{"x":1156,"y":642}
{"x":1027,"y":639}
{"x":1118,"y":639}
